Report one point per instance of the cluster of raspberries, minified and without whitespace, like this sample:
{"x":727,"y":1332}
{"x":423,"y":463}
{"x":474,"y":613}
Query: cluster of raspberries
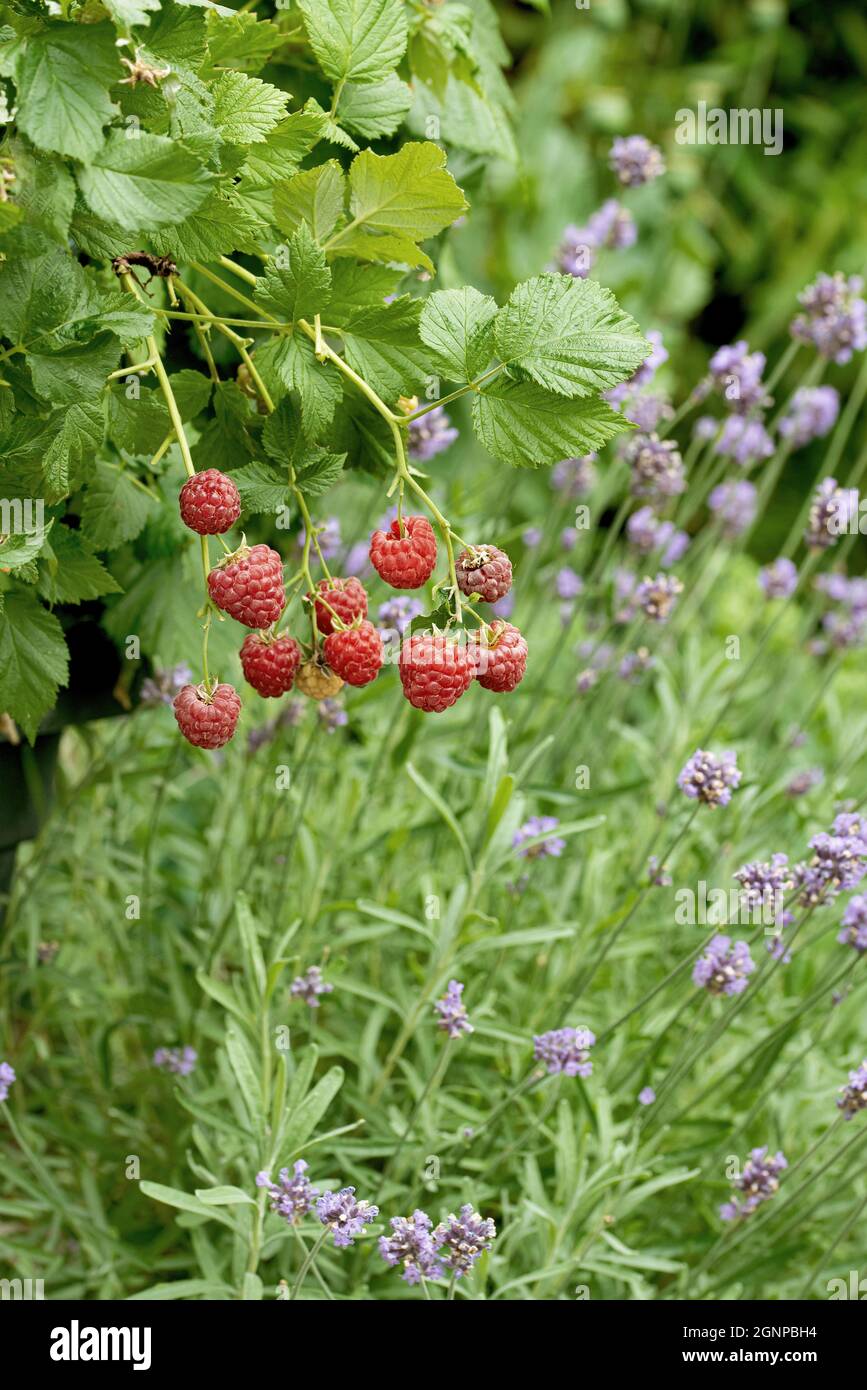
{"x":435,"y":670}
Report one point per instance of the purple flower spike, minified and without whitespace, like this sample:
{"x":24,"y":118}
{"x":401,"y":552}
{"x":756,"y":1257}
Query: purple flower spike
{"x":178,"y":1060}
{"x":830,"y":514}
{"x":811,"y":415}
{"x":853,"y":1096}
{"x":657,"y":467}
{"x":735,"y":506}
{"x":854,"y":925}
{"x":565,"y":1050}
{"x":710,"y":779}
{"x":309,"y":986}
{"x":429,"y":435}
{"x":411,"y":1244}
{"x":657,"y":597}
{"x":463,"y":1239}
{"x":724,"y":967}
{"x":646,"y":1096}
{"x":635,"y":160}
{"x":292,"y":1195}
{"x":7,"y":1076}
{"x":345,"y":1217}
{"x":834,"y":317}
{"x":759,"y":1181}
{"x":574,"y":477}
{"x":779,"y":579}
{"x":538,"y":825}
{"x":452,"y":1013}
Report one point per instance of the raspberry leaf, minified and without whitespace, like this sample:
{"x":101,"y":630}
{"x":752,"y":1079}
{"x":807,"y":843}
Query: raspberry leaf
{"x":63,"y":81}
{"x":456,"y":326}
{"x":246,"y":109}
{"x":356,"y":40}
{"x":34,"y":661}
{"x":313,"y":198}
{"x":297,"y":283}
{"x":523,"y":425}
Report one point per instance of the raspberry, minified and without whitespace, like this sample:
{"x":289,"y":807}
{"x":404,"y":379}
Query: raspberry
{"x":210,"y":503}
{"x":434,"y":672}
{"x":407,"y":559}
{"x":248,"y":585}
{"x":207,"y":721}
{"x":484,"y":570}
{"x":500,"y":656}
{"x":346,"y":596}
{"x":317,"y":681}
{"x":270,"y":666}
{"x":355,"y":654}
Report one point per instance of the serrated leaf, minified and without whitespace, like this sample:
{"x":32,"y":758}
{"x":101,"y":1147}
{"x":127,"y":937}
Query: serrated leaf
{"x":74,"y":434}
{"x":22,"y":547}
{"x":240,"y":40}
{"x":69,"y":573}
{"x":382,"y":344}
{"x":263,"y":487}
{"x":63,"y":82}
{"x":313,"y":469}
{"x":456,"y":326}
{"x":246,"y":109}
{"x":522,"y":424}
{"x":356,"y":40}
{"x":178,"y":33}
{"x":320,"y":473}
{"x":298,"y":285}
{"x":409,"y":194}
{"x":75,"y":371}
{"x":223,"y":224}
{"x":569,"y":335}
{"x":374,"y":110}
{"x":44,"y":189}
{"x":147,"y":182}
{"x":355,"y":287}
{"x":318,"y":385}
{"x":114,"y":509}
{"x":34,"y":661}
{"x":384,"y":250}
{"x":314,"y":197}
{"x":283,"y":149}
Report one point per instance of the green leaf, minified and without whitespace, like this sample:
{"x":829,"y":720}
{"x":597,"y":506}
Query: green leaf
{"x":75,"y":434}
{"x":315,"y":197}
{"x":240,"y":40}
{"x":147,"y":182}
{"x":63,"y":83}
{"x":69,"y":573}
{"x":44,"y":292}
{"x":523,"y":425}
{"x":178,"y":33}
{"x":283,"y":149}
{"x":382,"y":344}
{"x":246,"y":109}
{"x":355,"y":287}
{"x":296,"y":284}
{"x":223,"y":224}
{"x":374,"y":110}
{"x":456,"y":326}
{"x":34,"y":661}
{"x":263,"y":487}
{"x":386,"y":250}
{"x":320,"y":472}
{"x":130,"y":12}
{"x":317,"y":383}
{"x":114,"y":509}
{"x":308,"y":1114}
{"x":22,"y":547}
{"x":183,"y":1201}
{"x":314,"y":469}
{"x":75,"y":371}
{"x":409,"y":194}
{"x":225,"y":1196}
{"x":44,"y":189}
{"x":356,"y":40}
{"x":569,"y":335}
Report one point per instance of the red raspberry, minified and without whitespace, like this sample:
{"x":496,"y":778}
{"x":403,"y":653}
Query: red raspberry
{"x":248,"y":585}
{"x":434,"y":672}
{"x":355,"y":654}
{"x":484,"y":570}
{"x":405,"y":559}
{"x":500,"y":656}
{"x":270,"y":666}
{"x":207,"y":721}
{"x":210,"y":503}
{"x":346,"y":596}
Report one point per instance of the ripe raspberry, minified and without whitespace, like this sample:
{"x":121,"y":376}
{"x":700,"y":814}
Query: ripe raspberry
{"x":248,"y":585}
{"x":210,"y":503}
{"x":405,"y":560}
{"x":270,"y":666}
{"x":434,"y":672}
{"x":484,"y":570}
{"x":346,"y":596}
{"x":356,"y":654}
{"x":317,"y":681}
{"x":500,"y":656}
{"x":207,"y":721}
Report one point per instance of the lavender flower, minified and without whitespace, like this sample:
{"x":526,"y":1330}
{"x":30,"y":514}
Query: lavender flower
{"x":309,"y":986}
{"x":777,"y":948}
{"x":635,"y":160}
{"x":648,"y":411}
{"x":658,"y":596}
{"x":7,"y":1076}
{"x":345,"y":1217}
{"x":746,"y":441}
{"x":657,"y":873}
{"x":452,"y":1013}
{"x":612,"y":227}
{"x":780,"y":578}
{"x":396,"y":615}
{"x":834,"y":318}
{"x":735,"y":505}
{"x":646,"y":1096}
{"x":724,"y":967}
{"x":531,"y":536}
{"x":411,"y":1244}
{"x":759,"y":1181}
{"x":646,"y":533}
{"x":292,"y":1196}
{"x":657,"y":467}
{"x":568,"y":584}
{"x":565,"y":1050}
{"x":812,"y":413}
{"x":162,"y":687}
{"x":575,"y":252}
{"x":854,"y":1095}
{"x":764,"y":883}
{"x":644,"y":373}
{"x":178,"y":1060}
{"x":709,"y":779}
{"x":737,"y":373}
{"x":829,"y":515}
{"x":538,"y":825}
{"x":331,"y":715}
{"x":327,"y":534}
{"x":804,"y":781}
{"x":569,"y":537}
{"x":854,"y":925}
{"x":505,"y":606}
{"x":574,"y":477}
{"x":429,"y":435}
{"x":461,"y":1240}
{"x":838,"y":863}
{"x":635,"y":665}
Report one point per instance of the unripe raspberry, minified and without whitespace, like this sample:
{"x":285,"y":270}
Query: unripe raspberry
{"x":317,"y":681}
{"x":346,"y":597}
{"x":355,"y":654}
{"x":484,"y":570}
{"x":210,"y":503}
{"x":500,"y":656}
{"x":270,"y":666}
{"x":248,"y":585}
{"x":405,"y":558}
{"x":207,"y":720}
{"x":434,"y":671}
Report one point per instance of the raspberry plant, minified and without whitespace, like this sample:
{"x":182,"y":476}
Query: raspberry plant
{"x":268,"y":199}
